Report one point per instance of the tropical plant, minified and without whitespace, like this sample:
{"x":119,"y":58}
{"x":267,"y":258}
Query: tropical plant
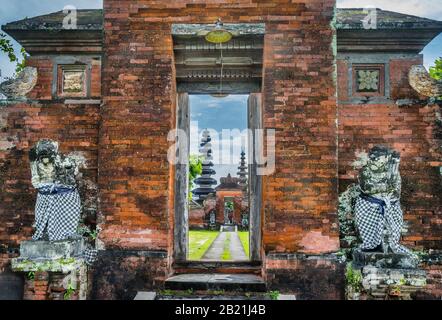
{"x":195,"y":169}
{"x":436,"y":70}
{"x":70,"y":290}
{"x":274,"y":295}
{"x":229,"y":205}
{"x":354,"y":278}
{"x":7,"y":47}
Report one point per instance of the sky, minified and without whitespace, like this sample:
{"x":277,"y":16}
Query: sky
{"x":206,"y":111}
{"x":218,"y":114}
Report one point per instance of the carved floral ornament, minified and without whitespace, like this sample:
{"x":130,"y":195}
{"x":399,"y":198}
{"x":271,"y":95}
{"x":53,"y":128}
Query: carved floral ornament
{"x":368,"y":80}
{"x":72,"y":81}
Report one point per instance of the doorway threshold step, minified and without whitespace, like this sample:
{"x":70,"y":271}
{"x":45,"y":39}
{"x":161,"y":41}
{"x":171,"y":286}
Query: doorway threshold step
{"x":218,"y":267}
{"x":218,"y":281}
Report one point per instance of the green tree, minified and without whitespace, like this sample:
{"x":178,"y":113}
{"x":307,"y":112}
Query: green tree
{"x":229,"y":205}
{"x":436,"y":71}
{"x":195,"y":169}
{"x":7,"y":47}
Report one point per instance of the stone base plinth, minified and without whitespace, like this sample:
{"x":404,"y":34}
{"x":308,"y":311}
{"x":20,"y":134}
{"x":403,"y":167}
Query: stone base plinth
{"x":379,"y":276}
{"x":384,"y":260}
{"x":41,"y":249}
{"x":399,"y":283}
{"x":53,"y":270}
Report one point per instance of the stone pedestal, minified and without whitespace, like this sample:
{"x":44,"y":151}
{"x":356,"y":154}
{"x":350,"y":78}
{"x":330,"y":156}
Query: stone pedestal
{"x":53,"y":270}
{"x":380,"y":276}
{"x":51,"y":250}
{"x":384,"y":260}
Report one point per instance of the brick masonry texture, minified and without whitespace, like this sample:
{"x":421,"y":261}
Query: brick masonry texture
{"x":119,"y":274}
{"x":308,"y":277}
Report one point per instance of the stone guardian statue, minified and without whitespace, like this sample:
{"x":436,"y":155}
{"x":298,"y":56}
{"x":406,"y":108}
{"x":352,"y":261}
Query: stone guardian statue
{"x":378,"y":213}
{"x":58,"y":206}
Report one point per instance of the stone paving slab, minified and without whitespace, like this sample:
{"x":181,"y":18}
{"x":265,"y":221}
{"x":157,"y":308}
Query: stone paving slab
{"x":145,"y":295}
{"x":216,"y":249}
{"x":237,"y":252}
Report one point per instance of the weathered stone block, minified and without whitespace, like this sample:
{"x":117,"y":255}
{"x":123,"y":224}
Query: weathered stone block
{"x":382,"y":260}
{"x":382,"y":283}
{"x":52,"y":250}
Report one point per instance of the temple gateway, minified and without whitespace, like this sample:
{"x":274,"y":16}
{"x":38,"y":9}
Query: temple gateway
{"x":357,"y":130}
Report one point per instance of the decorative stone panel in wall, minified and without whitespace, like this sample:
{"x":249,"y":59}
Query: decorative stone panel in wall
{"x":72,"y":81}
{"x":368,"y":80}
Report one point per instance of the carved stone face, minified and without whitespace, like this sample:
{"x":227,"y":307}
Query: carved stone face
{"x":378,"y":163}
{"x":51,"y":166}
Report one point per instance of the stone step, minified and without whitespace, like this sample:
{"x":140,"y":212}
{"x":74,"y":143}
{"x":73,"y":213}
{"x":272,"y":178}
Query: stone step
{"x":209,"y":295}
{"x":235,"y":267}
{"x":228,"y":228}
{"x":224,"y":281}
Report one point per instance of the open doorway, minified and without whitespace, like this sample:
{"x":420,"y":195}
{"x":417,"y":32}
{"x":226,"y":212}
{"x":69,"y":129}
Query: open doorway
{"x":218,"y":179}
{"x":220,"y":83}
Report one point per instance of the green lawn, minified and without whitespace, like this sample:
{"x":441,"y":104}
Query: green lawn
{"x":244,"y":237}
{"x":199,"y":242}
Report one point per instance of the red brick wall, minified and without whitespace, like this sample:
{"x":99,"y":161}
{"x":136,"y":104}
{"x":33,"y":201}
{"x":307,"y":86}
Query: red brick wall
{"x":139,"y":103}
{"x":196,"y":218}
{"x":411,"y":130}
{"x":400,"y":87}
{"x":43,"y":88}
{"x":433,"y":289}
{"x":308,"y":277}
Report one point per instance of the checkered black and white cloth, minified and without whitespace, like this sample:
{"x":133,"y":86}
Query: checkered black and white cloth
{"x":374,"y":220}
{"x":57,"y":214}
{"x":90,"y":255}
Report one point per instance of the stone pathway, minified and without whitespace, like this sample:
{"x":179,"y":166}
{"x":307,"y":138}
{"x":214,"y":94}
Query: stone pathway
{"x":216,"y":250}
{"x":236,"y":247}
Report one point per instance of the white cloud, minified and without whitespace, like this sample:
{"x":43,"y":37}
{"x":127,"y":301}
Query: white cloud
{"x":226,"y":145}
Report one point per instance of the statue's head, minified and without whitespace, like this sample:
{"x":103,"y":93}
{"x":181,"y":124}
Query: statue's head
{"x":45,"y":151}
{"x":379,"y":156}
